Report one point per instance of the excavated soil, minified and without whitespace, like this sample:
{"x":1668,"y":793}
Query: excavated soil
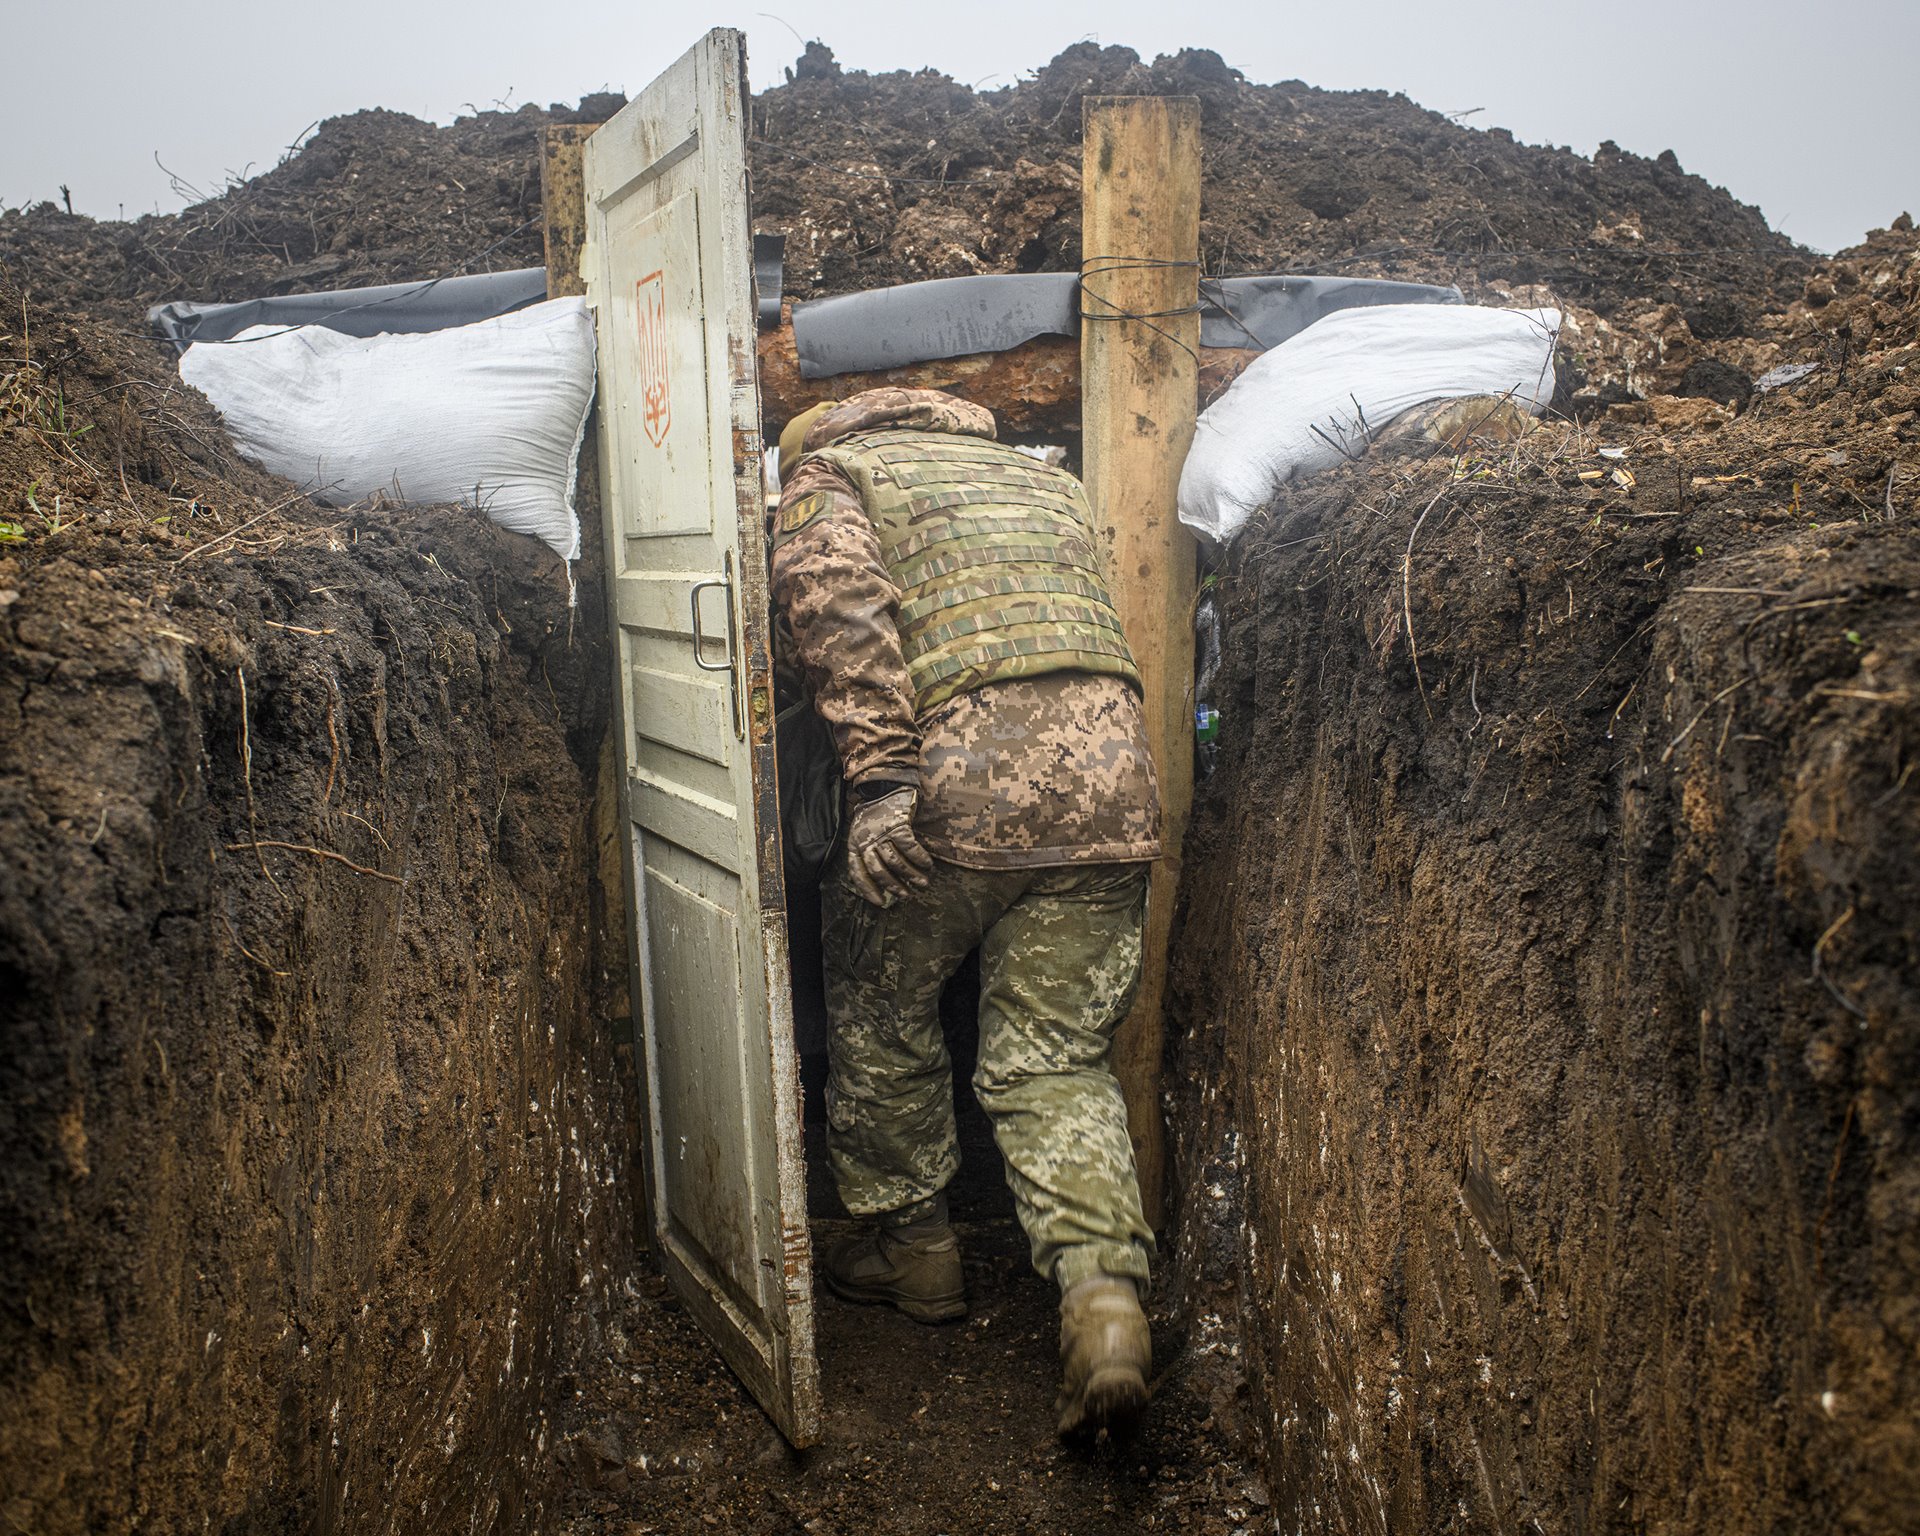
{"x":312,"y":1146}
{"x":886,"y":178}
{"x":371,"y":197}
{"x":1547,"y":962}
{"x":889,"y":178}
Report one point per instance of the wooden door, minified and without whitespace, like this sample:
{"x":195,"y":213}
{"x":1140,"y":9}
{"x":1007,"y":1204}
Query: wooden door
{"x":668,"y":264}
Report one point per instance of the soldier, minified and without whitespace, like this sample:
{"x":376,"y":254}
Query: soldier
{"x":943,"y":596}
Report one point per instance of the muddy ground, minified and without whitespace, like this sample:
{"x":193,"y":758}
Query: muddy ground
{"x":928,"y":1430}
{"x":1548,"y":961}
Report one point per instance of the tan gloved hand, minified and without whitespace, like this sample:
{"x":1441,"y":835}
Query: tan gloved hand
{"x":884,"y":859}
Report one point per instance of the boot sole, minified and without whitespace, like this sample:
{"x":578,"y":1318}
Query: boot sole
{"x":935,"y":1309}
{"x":1111,"y":1400}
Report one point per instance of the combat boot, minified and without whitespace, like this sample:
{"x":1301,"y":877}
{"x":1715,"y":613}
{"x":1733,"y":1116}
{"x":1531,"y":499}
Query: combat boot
{"x":915,"y":1267}
{"x":1105,"y":1355}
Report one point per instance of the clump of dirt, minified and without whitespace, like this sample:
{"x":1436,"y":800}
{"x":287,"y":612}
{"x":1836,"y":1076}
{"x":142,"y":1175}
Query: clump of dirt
{"x":313,"y":1160}
{"x":1859,"y":302}
{"x":1547,"y":958}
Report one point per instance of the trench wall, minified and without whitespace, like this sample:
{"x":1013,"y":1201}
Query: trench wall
{"x":312,"y":1157}
{"x":1549,"y":1047}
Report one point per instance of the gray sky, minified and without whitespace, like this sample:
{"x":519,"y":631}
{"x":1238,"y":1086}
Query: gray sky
{"x":1806,"y":110}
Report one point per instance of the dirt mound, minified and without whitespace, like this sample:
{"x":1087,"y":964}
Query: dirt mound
{"x":887,"y":178}
{"x":1549,"y":936}
{"x":372,"y":197}
{"x":1862,"y":301}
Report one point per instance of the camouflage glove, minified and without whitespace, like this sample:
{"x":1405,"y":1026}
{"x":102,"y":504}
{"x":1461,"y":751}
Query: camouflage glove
{"x":884,"y":858}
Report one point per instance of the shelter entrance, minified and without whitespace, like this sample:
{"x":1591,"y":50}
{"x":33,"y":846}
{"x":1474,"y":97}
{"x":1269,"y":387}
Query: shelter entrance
{"x":726,"y":964}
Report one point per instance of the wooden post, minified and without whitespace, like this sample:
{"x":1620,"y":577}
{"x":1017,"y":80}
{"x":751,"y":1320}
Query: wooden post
{"x":563,"y":204}
{"x":1140,"y":240}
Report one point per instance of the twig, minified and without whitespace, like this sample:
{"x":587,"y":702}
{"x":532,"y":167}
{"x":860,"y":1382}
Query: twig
{"x":1612,"y":659}
{"x":1406,"y":598}
{"x":334,"y":761}
{"x":211,"y":543}
{"x":1620,"y":708}
{"x":246,"y":775}
{"x":1898,"y":785}
{"x":1819,"y":972}
{"x":297,"y":629}
{"x":1746,"y":632}
{"x":271,"y":970}
{"x":1829,"y":691}
{"x":1674,"y":745}
{"x":369,"y":826}
{"x":1833,"y":1178}
{"x":203,"y":548}
{"x":319,"y":853}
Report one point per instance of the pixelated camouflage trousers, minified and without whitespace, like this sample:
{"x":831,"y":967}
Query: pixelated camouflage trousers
{"x":1059,"y":964}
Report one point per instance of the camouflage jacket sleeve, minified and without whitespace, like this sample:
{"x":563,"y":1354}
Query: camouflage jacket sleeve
{"x":838,"y":608}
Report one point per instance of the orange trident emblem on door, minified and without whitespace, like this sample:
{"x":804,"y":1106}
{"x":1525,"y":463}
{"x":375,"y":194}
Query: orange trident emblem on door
{"x":656,"y":408}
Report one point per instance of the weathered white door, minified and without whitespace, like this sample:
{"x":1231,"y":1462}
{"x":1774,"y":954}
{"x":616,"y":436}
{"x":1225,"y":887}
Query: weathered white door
{"x":668,"y":264}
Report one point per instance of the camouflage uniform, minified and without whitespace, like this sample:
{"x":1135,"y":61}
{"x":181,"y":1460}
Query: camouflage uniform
{"x":1037,"y":798}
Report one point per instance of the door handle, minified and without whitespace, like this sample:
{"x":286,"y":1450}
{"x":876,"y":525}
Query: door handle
{"x":725,"y":584}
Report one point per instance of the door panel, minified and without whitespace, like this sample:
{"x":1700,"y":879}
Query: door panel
{"x":668,"y":263}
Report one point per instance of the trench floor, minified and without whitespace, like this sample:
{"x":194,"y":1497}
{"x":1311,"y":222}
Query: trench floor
{"x":928,"y":1430}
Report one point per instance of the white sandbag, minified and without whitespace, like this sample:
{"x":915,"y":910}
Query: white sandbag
{"x":490,"y":414}
{"x":1320,"y":397}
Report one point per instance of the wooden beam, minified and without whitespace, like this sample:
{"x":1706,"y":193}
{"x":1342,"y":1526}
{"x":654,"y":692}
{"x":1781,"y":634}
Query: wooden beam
{"x":1139,"y":367}
{"x":563,"y":204}
{"x":1033,"y":390}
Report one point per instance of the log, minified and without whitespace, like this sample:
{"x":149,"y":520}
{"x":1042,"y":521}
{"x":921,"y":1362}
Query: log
{"x":1140,"y":347}
{"x":1033,"y":390}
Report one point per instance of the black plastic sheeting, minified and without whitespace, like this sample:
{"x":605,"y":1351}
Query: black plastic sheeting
{"x":769,"y":271}
{"x":433,"y":305}
{"x":853,"y":333}
{"x":956,"y":316}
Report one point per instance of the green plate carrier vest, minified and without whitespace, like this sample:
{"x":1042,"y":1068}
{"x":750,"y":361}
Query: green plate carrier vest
{"x":995,"y":557}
